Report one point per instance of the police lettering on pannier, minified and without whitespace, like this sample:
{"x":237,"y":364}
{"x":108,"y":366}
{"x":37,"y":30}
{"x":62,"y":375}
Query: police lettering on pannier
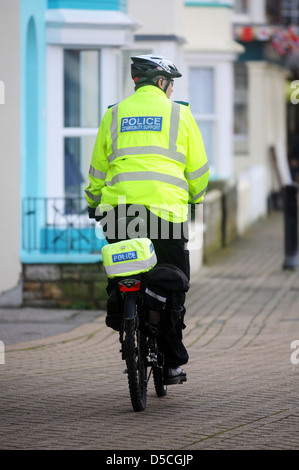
{"x":118,"y":257}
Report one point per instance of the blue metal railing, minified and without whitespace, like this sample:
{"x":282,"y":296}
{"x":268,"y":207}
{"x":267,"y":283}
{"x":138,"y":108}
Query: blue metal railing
{"x":58,"y":226}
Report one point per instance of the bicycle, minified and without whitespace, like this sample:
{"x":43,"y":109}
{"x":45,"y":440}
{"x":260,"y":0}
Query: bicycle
{"x":139,"y":324}
{"x":139,"y":345}
{"x":138,"y":327}
{"x":128,"y":262}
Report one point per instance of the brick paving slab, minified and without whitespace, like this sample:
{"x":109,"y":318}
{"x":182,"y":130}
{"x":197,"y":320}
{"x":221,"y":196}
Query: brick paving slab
{"x":69,"y":392}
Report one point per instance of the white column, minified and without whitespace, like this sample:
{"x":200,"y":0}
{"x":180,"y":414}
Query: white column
{"x":55,"y":118}
{"x":10,"y":268}
{"x":111,"y":77}
{"x":224,"y":110}
{"x":257,"y":73}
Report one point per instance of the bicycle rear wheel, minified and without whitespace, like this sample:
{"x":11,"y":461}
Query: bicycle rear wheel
{"x":136,"y":360}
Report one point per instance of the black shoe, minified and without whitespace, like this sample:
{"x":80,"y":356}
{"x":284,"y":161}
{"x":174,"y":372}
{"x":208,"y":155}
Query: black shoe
{"x":174,"y":375}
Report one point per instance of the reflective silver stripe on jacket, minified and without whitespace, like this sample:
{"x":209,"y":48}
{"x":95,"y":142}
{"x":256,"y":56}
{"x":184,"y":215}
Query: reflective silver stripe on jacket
{"x":199,"y":194}
{"x":193,"y":175}
{"x":170,"y":152}
{"x":148,"y":176}
{"x":113,"y":128}
{"x":130,"y":266}
{"x":148,"y":150}
{"x":92,"y":196}
{"x":97,"y":173}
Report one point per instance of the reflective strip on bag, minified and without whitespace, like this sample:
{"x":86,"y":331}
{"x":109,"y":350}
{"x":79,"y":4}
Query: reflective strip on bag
{"x":131,"y":267}
{"x":155,"y":296}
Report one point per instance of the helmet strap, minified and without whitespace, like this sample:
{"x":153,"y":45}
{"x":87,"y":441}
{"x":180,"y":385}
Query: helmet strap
{"x":167,"y":85}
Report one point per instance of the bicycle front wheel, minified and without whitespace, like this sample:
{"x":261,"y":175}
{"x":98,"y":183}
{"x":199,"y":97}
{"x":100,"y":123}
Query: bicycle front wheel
{"x":136,"y":360}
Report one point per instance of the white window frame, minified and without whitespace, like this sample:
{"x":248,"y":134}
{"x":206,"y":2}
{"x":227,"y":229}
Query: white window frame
{"x":223,"y":111}
{"x":241,"y":17}
{"x":291,"y":11}
{"x":56,"y":132}
{"x":208,"y":117}
{"x":256,"y":13}
{"x":242,"y":139}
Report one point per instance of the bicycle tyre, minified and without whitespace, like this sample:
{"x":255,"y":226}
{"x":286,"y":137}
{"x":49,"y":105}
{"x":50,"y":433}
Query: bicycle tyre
{"x":136,"y":361}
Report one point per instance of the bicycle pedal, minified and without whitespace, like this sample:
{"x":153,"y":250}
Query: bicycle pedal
{"x":175,"y":380}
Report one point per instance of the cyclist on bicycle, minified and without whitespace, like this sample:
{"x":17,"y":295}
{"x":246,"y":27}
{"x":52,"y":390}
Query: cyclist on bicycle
{"x":149,"y":152}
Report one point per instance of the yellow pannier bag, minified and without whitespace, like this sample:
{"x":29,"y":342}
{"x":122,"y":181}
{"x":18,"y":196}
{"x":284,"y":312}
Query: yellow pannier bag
{"x":128,"y":257}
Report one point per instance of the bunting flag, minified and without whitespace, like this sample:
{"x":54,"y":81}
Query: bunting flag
{"x":248,"y":33}
{"x":263,"y":33}
{"x":279,"y":41}
{"x":284,"y":40}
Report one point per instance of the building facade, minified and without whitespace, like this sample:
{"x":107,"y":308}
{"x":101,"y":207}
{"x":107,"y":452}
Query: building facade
{"x":64,"y":63}
{"x":61,"y":68}
{"x":10,"y":82}
{"x":260,"y":103}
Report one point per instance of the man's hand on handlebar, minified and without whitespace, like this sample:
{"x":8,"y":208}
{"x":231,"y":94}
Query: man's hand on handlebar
{"x":91,"y":212}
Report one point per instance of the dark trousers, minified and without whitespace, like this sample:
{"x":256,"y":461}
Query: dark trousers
{"x":170,"y":247}
{"x":173,"y":251}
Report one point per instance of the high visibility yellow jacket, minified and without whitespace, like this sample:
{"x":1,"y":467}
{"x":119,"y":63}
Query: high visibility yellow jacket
{"x":149,"y":150}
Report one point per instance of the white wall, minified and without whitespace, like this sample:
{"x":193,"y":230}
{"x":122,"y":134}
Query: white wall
{"x":256,"y":13}
{"x":266,"y":120}
{"x":209,"y":29}
{"x":209,"y":43}
{"x":10,"y":266}
{"x":158,"y":16}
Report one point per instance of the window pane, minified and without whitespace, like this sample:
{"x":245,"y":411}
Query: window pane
{"x":207,"y":131}
{"x":241,"y":119}
{"x":241,"y":6}
{"x":77,"y":154}
{"x":290,"y":12}
{"x":202,"y":90}
{"x":81,"y":88}
{"x":241,"y":109}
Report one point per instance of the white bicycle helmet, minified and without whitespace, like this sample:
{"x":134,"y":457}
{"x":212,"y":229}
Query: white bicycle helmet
{"x":146,"y":67}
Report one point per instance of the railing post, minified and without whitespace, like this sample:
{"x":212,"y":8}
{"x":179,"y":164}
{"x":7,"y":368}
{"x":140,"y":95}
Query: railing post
{"x":291,"y":226}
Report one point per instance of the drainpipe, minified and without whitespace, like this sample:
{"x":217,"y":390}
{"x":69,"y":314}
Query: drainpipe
{"x":291,"y":226}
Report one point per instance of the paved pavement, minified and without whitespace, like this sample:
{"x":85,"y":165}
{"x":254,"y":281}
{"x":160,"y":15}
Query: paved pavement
{"x":19,"y":325}
{"x":68,"y":391}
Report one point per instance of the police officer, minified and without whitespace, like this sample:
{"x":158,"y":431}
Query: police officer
{"x":150,"y":152}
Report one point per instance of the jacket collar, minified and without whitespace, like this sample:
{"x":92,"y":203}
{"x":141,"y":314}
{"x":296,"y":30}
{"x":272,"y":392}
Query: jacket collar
{"x":151,"y":89}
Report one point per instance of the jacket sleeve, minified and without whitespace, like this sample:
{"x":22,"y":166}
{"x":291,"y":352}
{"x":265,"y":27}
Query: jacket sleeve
{"x":98,"y":166}
{"x":197,"y":167}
